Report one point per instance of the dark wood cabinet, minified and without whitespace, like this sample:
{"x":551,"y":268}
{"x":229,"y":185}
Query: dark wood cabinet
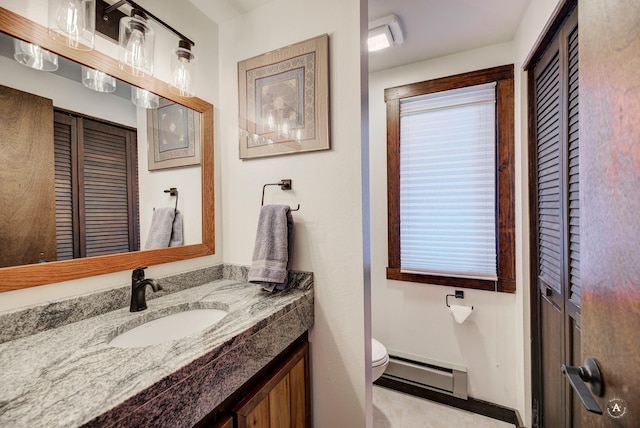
{"x":226,"y":422}
{"x":278,"y":396}
{"x":281,"y":400}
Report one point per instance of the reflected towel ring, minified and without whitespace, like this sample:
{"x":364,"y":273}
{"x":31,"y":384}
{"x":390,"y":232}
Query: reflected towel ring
{"x":173,"y":191}
{"x":285,"y":184}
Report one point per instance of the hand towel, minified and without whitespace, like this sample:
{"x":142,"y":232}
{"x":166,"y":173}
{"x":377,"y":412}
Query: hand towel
{"x":166,"y":229}
{"x":273,"y":248}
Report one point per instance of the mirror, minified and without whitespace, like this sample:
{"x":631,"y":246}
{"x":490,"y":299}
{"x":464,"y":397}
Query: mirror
{"x":195,"y":246}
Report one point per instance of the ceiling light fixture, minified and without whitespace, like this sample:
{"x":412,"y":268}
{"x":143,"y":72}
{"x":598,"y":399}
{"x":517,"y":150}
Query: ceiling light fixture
{"x":72,"y":22}
{"x":384,"y":32}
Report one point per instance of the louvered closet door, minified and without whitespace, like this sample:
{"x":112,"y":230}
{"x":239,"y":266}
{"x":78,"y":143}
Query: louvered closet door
{"x":64,"y":140}
{"x":110,"y":220}
{"x":557,"y":225}
{"x":96,"y":188}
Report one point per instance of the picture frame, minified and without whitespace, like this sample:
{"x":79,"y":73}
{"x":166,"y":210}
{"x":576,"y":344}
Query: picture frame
{"x":283,"y":99}
{"x":174,"y":136}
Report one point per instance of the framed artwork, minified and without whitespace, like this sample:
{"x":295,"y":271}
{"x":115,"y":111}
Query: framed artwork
{"x":174,"y":135}
{"x":284,"y":100}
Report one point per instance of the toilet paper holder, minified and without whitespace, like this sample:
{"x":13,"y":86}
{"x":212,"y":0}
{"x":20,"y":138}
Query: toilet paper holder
{"x":459,"y":294}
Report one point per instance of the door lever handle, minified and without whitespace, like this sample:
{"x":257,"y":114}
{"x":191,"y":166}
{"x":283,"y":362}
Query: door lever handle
{"x":580,"y":376}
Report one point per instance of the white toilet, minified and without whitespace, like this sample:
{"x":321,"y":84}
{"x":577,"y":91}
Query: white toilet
{"x":379,"y":358}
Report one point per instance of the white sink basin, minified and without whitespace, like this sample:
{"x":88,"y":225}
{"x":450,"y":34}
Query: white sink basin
{"x":170,"y":327}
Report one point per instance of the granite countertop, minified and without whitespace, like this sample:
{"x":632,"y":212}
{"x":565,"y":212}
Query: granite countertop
{"x":70,"y":375}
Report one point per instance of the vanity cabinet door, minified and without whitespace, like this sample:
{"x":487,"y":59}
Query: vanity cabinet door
{"x":224,"y":423}
{"x":282,"y":399}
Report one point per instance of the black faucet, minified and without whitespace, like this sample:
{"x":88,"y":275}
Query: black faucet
{"x":138,"y":288}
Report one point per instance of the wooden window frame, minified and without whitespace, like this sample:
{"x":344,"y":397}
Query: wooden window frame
{"x":505,"y":176}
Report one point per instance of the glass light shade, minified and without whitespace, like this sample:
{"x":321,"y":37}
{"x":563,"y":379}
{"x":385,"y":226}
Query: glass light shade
{"x":73,"y":22}
{"x":34,"y":56}
{"x":183,"y":70}
{"x":97,"y":80}
{"x":143,"y":98}
{"x":136,"y":41}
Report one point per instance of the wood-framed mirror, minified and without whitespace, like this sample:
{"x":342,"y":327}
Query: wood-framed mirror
{"x":29,"y":275}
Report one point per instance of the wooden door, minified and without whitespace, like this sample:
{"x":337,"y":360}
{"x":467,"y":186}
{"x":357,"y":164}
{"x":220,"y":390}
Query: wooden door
{"x":555,"y":201}
{"x":96,"y":187}
{"x":610,"y":215}
{"x":27,"y":195}
{"x":282,"y":400}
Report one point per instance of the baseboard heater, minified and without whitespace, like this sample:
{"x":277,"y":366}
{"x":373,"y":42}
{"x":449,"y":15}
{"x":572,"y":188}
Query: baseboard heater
{"x":435,"y":375}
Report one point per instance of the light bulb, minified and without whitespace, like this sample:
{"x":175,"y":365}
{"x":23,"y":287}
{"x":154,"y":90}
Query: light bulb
{"x":97,"y":80}
{"x":135,"y":49}
{"x":183,"y":70}
{"x":143,"y":98}
{"x":71,"y":20}
{"x":73,"y":23}
{"x":136,"y":45}
{"x":34,"y":56}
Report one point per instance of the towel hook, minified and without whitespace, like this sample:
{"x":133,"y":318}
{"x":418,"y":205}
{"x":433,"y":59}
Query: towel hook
{"x":173,"y":191}
{"x":285,"y":184}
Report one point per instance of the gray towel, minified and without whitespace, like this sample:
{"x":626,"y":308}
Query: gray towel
{"x":273,"y":248}
{"x":165,"y":230}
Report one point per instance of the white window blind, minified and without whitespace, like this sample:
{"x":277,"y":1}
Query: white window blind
{"x":448,"y":183}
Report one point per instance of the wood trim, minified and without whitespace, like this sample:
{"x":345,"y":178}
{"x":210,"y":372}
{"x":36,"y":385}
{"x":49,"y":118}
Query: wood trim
{"x":450,"y":82}
{"x":18,"y":277}
{"x":505,"y":150}
{"x":473,"y":405}
{"x":478,"y":284}
{"x":505,"y":205}
{"x":559,"y":14}
{"x":534,"y":294}
{"x":393,"y":183}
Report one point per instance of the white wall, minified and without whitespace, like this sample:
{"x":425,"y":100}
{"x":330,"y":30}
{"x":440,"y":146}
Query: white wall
{"x":326,"y":184}
{"x":189,"y":21}
{"x":412,"y":317}
{"x":494,"y":343}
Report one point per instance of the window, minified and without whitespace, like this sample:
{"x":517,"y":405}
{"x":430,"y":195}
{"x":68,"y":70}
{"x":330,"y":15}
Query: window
{"x":451,"y":181}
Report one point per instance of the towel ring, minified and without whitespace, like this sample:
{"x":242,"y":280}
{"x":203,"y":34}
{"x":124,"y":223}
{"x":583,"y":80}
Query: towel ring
{"x":173,"y":191}
{"x":285,"y":184}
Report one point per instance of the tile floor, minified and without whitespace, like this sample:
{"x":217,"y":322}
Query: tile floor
{"x":392,"y":409}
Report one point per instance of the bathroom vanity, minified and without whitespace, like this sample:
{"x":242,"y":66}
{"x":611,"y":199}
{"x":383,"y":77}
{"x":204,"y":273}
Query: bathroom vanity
{"x":57,"y":367}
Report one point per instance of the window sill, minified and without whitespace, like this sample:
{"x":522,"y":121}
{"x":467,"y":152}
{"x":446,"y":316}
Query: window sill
{"x":503,"y":285}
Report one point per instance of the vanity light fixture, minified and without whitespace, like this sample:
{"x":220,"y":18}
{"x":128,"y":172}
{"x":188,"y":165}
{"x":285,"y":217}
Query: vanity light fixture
{"x":183,"y":64}
{"x":136,"y":41}
{"x":144,"y":99}
{"x":97,"y":80}
{"x":34,"y":56}
{"x":73,"y":22}
{"x":384,"y":33}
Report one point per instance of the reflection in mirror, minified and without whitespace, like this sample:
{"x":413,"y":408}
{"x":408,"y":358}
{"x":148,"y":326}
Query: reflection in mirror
{"x":87,"y":172}
{"x":99,"y":164}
